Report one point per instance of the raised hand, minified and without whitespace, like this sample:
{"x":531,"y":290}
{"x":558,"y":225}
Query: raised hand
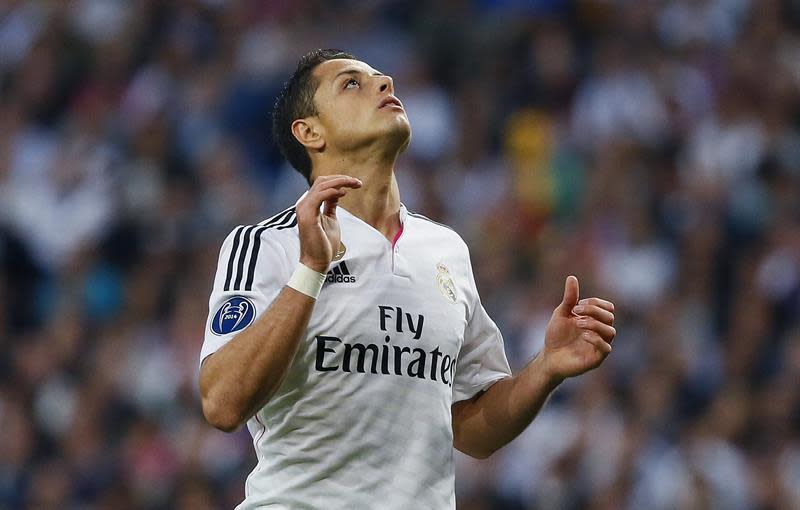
{"x":579,"y":334}
{"x":319,"y":230}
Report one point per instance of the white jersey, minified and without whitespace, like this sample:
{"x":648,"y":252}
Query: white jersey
{"x":398,"y":334}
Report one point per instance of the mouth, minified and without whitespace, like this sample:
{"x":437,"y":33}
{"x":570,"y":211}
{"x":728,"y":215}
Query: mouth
{"x":390,"y":101}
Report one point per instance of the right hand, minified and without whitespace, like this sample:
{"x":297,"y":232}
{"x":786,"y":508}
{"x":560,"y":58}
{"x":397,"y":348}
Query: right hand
{"x":320,"y":235}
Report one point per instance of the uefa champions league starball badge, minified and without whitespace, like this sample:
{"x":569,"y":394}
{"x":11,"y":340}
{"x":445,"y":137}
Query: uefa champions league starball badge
{"x":445,"y":282}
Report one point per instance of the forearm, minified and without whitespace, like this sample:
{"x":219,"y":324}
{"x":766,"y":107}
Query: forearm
{"x":489,"y":421}
{"x":242,"y":376}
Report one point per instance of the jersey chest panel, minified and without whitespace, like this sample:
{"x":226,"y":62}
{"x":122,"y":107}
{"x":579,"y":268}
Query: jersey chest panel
{"x":385,"y":329}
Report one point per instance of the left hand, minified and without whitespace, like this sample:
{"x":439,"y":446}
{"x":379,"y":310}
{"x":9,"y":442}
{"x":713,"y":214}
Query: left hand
{"x":579,"y":334}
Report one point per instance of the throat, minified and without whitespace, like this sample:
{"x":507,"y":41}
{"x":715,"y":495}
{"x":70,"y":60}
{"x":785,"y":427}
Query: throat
{"x":378,"y":205}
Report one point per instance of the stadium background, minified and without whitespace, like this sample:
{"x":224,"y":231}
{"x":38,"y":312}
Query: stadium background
{"x":650,"y":147}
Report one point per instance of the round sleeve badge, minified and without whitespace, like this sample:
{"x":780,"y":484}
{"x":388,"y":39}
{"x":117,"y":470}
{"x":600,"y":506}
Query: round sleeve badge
{"x":235,"y":314}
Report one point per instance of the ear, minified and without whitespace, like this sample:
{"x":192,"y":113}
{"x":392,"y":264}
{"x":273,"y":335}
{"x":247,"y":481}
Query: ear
{"x":308,"y":133}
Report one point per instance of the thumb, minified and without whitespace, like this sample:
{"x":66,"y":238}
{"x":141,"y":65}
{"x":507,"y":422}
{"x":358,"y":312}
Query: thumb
{"x":571,"y":293}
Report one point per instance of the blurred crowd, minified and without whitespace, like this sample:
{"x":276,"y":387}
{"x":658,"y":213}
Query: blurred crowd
{"x":651,"y":147}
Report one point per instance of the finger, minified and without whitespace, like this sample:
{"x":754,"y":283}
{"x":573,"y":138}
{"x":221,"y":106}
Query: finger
{"x":335,"y":181}
{"x":323,"y":178}
{"x":597,"y":342}
{"x":340,"y":184}
{"x":571,"y":292}
{"x":329,"y":207}
{"x":604,"y":330}
{"x":602,"y":303}
{"x":314,"y":198}
{"x":309,"y":210}
{"x":595,"y":311}
{"x":330,"y":197}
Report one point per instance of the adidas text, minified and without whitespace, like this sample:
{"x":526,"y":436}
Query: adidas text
{"x":338,"y":278}
{"x":340,"y":274}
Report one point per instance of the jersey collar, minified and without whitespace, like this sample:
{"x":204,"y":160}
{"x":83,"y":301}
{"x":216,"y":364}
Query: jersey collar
{"x":403,"y":211}
{"x":403,"y":214}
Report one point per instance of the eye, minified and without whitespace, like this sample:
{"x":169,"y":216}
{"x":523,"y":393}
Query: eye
{"x":351,"y":83}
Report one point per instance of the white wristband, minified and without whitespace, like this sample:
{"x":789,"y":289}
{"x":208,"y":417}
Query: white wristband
{"x":306,"y":280}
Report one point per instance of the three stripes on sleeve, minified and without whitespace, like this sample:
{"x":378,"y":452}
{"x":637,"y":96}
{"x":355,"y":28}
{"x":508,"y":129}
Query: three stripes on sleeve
{"x":246,"y":244}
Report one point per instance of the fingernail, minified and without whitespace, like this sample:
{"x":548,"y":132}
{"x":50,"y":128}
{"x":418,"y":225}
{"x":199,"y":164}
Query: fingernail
{"x":578,"y":309}
{"x":581,"y":323}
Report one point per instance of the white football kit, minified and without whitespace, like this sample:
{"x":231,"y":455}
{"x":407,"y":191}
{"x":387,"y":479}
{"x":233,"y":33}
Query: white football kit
{"x":398,"y":334}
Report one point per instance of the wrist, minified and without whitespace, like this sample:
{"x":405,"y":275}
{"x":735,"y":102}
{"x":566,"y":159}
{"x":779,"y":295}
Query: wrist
{"x":549,"y":374}
{"x":307,"y":280}
{"x":319,"y":267}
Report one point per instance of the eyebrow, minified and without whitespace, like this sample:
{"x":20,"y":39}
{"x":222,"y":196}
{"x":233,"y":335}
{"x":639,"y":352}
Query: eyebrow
{"x":355,"y":71}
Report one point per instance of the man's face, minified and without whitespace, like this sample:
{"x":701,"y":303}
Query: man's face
{"x":356,"y":106}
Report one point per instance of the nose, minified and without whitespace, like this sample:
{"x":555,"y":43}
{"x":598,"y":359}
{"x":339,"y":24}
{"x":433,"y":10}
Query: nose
{"x":386,"y":83}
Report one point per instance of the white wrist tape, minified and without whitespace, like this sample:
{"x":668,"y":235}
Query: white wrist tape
{"x":306,"y":280}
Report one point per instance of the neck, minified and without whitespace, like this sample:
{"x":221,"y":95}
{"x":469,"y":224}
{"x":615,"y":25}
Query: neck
{"x":377,"y":202}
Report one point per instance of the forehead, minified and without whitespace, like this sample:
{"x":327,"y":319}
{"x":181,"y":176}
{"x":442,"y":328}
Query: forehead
{"x":329,"y":69}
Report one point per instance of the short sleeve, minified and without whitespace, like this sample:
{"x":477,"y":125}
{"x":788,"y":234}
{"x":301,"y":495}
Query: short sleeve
{"x":251,"y":271}
{"x":482,"y":358}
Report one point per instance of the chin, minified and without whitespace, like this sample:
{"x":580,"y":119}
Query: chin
{"x":401,"y":135}
{"x":391,"y":137}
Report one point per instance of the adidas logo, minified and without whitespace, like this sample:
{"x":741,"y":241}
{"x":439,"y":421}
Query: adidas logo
{"x":340,"y":274}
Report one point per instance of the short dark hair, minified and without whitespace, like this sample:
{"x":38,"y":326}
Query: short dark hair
{"x":296,"y":101}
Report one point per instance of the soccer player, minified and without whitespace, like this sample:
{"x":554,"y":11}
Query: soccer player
{"x":347,"y":331}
